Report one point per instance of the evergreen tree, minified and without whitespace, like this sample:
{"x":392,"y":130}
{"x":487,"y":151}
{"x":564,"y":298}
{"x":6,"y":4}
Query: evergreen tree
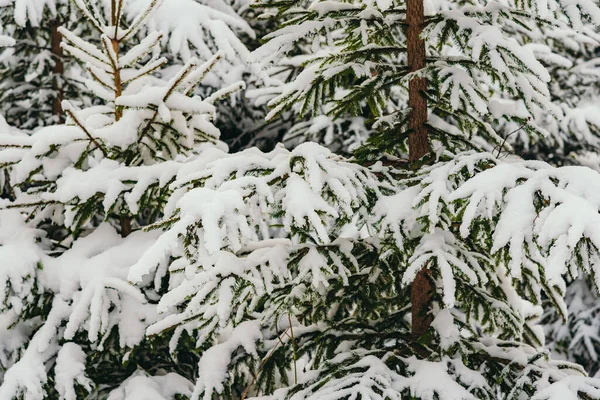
{"x":34,"y":74}
{"x":577,"y":340}
{"x":341,"y":132}
{"x":200,"y":28}
{"x":573,"y":140}
{"x":482,"y":243}
{"x":574,"y":88}
{"x":163,"y":267}
{"x":571,"y":59}
{"x":72,"y":326}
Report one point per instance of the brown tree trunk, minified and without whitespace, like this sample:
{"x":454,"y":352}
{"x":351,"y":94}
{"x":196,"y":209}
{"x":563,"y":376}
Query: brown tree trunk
{"x":117,"y":79}
{"x":418,"y":144}
{"x":58,"y":70}
{"x":421,"y":295}
{"x":125,"y":221}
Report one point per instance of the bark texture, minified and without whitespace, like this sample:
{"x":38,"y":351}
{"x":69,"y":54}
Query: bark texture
{"x":117,"y":80}
{"x":418,"y":146}
{"x":125,"y":221}
{"x":417,"y":141}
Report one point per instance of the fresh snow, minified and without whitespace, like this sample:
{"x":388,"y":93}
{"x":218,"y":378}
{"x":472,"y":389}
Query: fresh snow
{"x":143,"y":259}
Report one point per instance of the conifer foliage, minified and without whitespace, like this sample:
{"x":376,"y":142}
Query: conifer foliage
{"x":573,"y":141}
{"x":141,"y":260}
{"x":35,"y":74}
{"x":73,"y":320}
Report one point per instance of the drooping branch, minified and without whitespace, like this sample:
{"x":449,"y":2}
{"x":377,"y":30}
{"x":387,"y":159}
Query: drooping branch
{"x":69,"y":110}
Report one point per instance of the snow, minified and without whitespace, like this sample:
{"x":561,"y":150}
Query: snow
{"x":90,"y":52}
{"x":432,"y":378}
{"x":439,"y":248}
{"x":299,"y":258}
{"x":20,"y":256}
{"x":443,"y":323}
{"x":32,"y":11}
{"x":87,"y":281}
{"x":214,"y":363}
{"x":6,"y":41}
{"x":186,"y":21}
{"x":218,"y":214}
{"x":301,"y":203}
{"x":140,"y":386}
{"x":70,"y":369}
{"x":569,"y":388}
{"x":140,"y":50}
{"x":568,"y":217}
{"x":27,"y":376}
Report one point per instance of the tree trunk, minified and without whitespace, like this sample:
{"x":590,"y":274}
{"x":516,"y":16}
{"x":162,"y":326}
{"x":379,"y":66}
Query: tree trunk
{"x":125,"y":221}
{"x":58,"y":70}
{"x":421,"y":295}
{"x":418,"y":144}
{"x":117,"y":81}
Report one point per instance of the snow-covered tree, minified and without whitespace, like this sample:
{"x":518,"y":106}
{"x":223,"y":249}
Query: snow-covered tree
{"x":343,"y":131}
{"x":200,"y":28}
{"x":72,"y":325}
{"x":323,"y":308}
{"x":573,"y":140}
{"x":578,"y":339}
{"x":34,"y":74}
{"x":425,"y":283}
{"x":160,"y":266}
{"x":571,"y":59}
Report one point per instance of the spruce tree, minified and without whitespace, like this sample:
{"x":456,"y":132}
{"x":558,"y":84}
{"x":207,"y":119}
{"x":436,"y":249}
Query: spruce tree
{"x":572,"y":140}
{"x":386,"y":282}
{"x":341,"y":132}
{"x":163,"y":267}
{"x":35,"y":74}
{"x":72,"y":326}
{"x":200,"y":28}
{"x":577,"y":340}
{"x":571,"y":60}
{"x":468,"y":247}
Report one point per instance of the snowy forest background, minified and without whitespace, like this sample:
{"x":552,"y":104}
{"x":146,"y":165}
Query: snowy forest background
{"x":290,"y":199}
